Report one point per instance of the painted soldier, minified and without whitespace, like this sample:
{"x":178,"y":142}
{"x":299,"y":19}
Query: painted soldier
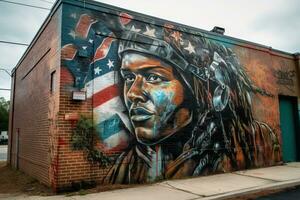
{"x":189,"y":102}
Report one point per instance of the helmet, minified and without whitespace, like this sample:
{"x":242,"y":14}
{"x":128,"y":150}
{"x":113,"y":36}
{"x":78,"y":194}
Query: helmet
{"x":132,"y":41}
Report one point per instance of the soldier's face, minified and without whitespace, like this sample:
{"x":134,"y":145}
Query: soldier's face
{"x":153,"y":96}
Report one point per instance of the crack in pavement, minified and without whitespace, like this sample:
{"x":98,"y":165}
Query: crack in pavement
{"x":252,"y":176}
{"x":179,"y":189}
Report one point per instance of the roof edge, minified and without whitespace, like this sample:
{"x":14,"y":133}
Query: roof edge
{"x":90,"y":4}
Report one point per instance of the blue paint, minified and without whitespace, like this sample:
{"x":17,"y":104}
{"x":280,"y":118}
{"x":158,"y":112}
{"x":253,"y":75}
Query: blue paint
{"x":163,"y":100}
{"x":109,"y":127}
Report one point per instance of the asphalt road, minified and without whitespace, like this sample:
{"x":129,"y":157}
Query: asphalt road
{"x":3,"y":152}
{"x":293,"y":194}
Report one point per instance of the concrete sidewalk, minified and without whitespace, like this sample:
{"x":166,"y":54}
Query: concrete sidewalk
{"x":219,"y":186}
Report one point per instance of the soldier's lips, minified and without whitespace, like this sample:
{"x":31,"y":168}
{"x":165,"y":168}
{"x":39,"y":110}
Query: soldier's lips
{"x":140,"y":114}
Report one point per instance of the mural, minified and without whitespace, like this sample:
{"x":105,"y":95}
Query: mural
{"x":168,"y":101}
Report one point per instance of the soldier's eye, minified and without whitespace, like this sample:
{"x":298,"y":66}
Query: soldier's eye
{"x":153,"y":78}
{"x":129,"y":78}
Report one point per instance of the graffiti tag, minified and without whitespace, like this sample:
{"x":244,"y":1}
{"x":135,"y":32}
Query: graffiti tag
{"x":285,"y":77}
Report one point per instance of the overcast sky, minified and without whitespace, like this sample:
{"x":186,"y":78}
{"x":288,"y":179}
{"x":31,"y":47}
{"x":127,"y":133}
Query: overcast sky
{"x":274,"y":23}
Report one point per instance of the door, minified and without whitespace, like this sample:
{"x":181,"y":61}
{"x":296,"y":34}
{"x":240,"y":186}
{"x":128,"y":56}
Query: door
{"x":288,"y":129}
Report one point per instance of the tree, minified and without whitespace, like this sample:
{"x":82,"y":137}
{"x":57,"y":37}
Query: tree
{"x":4,"y":114}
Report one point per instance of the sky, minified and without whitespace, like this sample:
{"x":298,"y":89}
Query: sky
{"x":274,"y":23}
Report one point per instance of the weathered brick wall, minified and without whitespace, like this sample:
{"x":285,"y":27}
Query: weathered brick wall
{"x":73,"y":166}
{"x":34,"y":107}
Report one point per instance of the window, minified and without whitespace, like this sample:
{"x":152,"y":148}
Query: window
{"x":52,"y":82}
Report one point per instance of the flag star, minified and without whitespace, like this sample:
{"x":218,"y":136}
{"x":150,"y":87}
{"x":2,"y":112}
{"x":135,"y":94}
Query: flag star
{"x":97,"y":70}
{"x":150,"y":32}
{"x":110,"y":64}
{"x":84,"y":47}
{"x":135,"y":29}
{"x":72,"y":34}
{"x":73,"y":15}
{"x":190,"y":48}
{"x":91,"y":41}
{"x":177,"y":36}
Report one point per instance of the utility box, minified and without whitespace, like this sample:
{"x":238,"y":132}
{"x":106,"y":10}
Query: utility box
{"x":105,"y":95}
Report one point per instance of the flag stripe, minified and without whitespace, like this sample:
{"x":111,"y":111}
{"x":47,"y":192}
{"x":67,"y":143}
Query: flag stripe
{"x":105,"y":95}
{"x":109,"y":108}
{"x":103,"y":49}
{"x":117,"y":141}
{"x":101,"y":82}
{"x":68,"y":52}
{"x":125,"y":18}
{"x":110,"y":127}
{"x":84,"y":24}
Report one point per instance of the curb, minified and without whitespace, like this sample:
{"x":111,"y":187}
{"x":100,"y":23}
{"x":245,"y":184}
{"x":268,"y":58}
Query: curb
{"x":272,"y":186}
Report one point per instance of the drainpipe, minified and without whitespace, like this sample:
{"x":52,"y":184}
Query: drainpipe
{"x":297,"y":63}
{"x":14,"y":75}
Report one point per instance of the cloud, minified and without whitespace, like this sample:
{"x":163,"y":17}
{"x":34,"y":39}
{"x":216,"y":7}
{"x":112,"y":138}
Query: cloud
{"x":281,"y":27}
{"x":266,"y":22}
{"x":19,"y":23}
{"x":10,"y":55}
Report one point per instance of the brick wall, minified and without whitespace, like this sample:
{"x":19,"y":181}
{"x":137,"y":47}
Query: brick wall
{"x":73,"y":166}
{"x":34,"y":105}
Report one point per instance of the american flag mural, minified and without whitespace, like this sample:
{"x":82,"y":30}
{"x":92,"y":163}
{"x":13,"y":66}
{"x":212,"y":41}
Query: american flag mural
{"x":90,"y":53}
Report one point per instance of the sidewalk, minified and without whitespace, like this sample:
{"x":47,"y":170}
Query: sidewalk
{"x":219,"y":186}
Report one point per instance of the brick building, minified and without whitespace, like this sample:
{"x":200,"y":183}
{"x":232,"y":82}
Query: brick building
{"x":106,"y":95}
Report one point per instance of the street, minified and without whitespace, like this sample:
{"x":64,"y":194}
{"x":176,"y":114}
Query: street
{"x":3,"y":152}
{"x":293,"y":194}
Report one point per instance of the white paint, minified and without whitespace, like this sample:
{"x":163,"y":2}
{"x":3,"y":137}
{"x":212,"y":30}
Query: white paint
{"x":110,"y":108}
{"x":115,"y":139}
{"x":101,"y":82}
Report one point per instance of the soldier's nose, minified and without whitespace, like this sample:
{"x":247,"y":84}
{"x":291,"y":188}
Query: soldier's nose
{"x":136,"y":93}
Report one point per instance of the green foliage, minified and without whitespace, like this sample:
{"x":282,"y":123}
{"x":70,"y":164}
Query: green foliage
{"x":99,"y":157}
{"x":4,"y":114}
{"x":84,"y":137}
{"x":83,"y":134}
